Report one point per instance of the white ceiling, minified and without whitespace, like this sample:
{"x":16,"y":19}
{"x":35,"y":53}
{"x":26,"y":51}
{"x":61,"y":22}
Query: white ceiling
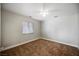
{"x":33,"y":9}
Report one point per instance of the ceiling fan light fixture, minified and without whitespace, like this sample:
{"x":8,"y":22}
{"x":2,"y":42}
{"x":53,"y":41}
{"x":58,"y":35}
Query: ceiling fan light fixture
{"x":44,"y":13}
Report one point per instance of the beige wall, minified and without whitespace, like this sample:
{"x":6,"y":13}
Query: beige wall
{"x":64,"y":28}
{"x":0,"y":25}
{"x":12,"y":29}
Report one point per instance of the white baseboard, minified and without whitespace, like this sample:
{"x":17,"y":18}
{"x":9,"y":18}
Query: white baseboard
{"x":1,"y":48}
{"x":6,"y":48}
{"x":61,"y":42}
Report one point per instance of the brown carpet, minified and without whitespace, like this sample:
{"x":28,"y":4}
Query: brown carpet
{"x":42,"y":47}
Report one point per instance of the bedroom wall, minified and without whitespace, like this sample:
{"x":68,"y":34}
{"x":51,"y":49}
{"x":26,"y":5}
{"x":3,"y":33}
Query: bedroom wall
{"x":64,"y":28}
{"x":0,"y":25}
{"x":12,"y":29}
{"x":78,"y":21}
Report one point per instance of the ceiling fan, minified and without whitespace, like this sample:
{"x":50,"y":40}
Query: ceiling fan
{"x":43,"y":11}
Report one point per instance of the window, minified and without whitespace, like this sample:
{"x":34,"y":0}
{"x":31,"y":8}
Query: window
{"x":27,"y":27}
